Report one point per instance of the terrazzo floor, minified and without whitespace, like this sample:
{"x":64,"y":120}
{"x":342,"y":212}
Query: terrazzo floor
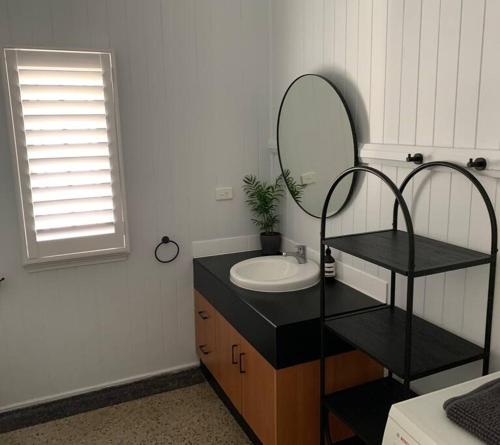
{"x":192,"y":415}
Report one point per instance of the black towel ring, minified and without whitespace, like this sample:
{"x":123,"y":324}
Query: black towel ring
{"x":167,"y":240}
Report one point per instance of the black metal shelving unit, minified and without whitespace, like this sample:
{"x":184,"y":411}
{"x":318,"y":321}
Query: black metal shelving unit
{"x":408,"y":346}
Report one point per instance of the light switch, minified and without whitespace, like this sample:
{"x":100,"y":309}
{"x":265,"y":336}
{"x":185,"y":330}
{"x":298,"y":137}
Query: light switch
{"x":223,"y":193}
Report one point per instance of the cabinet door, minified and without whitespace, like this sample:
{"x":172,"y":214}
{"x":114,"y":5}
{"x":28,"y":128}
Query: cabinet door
{"x":205,"y":324}
{"x":229,"y":349}
{"x":298,"y":401}
{"x":258,"y":401}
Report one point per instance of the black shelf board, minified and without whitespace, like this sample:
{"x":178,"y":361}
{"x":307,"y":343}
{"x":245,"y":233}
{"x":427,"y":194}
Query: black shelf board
{"x":365,"y":408}
{"x":389,"y":249}
{"x":380,"y":333}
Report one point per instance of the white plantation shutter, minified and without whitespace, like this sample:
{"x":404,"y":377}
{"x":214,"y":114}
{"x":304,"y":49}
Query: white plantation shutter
{"x":63,"y":112}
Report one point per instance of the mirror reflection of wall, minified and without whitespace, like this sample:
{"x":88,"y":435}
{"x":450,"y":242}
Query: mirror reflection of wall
{"x":316,"y":142}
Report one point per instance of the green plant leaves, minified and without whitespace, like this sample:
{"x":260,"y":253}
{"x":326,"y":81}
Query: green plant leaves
{"x":263,"y":198}
{"x":295,"y":189}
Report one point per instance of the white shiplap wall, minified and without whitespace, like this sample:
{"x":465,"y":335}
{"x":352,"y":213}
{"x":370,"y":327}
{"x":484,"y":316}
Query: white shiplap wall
{"x":414,"y":72}
{"x":193,"y":86}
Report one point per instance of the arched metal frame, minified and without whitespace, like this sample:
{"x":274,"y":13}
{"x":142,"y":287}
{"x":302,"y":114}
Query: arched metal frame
{"x":411,"y":266}
{"x":471,"y":178}
{"x":353,"y":131}
{"x":493,"y":251}
{"x":400,"y":202}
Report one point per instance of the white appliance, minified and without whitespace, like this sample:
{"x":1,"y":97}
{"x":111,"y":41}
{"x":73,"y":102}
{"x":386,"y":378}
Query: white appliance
{"x":423,"y":421}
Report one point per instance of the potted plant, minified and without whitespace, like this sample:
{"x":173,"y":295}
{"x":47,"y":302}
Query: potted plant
{"x":263,"y":199}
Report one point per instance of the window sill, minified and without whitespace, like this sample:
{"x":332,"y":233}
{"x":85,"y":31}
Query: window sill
{"x":76,"y":262}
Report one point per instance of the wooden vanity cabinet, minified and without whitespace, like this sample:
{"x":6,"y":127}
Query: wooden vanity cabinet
{"x":247,"y":379}
{"x":281,"y":406}
{"x":259,"y":394}
{"x":205,"y":325}
{"x":230,"y":349}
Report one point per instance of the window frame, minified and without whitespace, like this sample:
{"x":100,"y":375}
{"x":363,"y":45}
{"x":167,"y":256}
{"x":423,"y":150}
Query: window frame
{"x":76,"y":251}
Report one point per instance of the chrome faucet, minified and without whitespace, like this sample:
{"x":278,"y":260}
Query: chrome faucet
{"x":300,"y":255}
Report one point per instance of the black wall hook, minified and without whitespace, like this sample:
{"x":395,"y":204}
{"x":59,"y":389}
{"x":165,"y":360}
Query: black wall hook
{"x":166,"y":240}
{"x":417,"y":158}
{"x":478,"y":163}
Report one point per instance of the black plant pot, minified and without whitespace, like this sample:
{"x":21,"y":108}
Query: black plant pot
{"x":271,"y":243}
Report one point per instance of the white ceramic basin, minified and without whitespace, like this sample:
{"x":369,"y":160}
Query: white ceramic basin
{"x":274,"y":274}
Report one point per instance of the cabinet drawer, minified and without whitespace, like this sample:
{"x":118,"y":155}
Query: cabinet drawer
{"x":205,"y":324}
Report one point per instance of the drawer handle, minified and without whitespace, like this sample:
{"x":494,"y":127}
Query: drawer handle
{"x":233,"y":359}
{"x":203,"y":315}
{"x":242,"y":371}
{"x":203,"y":349}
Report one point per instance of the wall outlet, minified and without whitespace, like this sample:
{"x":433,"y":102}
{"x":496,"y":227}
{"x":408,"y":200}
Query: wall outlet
{"x":308,"y":178}
{"x":223,"y":193}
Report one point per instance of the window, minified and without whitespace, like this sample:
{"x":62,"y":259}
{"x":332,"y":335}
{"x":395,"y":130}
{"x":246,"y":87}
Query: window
{"x":64,"y":120}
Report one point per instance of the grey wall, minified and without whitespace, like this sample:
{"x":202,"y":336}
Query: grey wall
{"x":195,"y":98}
{"x":193,"y":87}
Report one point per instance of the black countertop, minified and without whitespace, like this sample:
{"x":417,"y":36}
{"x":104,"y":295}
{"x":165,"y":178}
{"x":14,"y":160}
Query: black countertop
{"x":284,"y":327}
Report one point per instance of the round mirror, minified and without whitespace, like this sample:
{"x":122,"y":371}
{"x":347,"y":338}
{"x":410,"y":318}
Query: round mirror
{"x":316,"y":142}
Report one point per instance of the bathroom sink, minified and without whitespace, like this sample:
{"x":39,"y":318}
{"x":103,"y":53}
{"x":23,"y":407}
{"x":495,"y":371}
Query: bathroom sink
{"x":274,"y":274}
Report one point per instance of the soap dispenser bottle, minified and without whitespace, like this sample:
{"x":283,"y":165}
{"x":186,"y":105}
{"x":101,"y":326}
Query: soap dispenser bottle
{"x":330,"y":266}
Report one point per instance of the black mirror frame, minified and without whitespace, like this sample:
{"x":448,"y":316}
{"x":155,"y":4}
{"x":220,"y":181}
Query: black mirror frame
{"x":354,"y":140}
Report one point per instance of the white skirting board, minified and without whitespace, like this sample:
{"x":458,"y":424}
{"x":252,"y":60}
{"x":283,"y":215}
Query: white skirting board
{"x":221,"y":246}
